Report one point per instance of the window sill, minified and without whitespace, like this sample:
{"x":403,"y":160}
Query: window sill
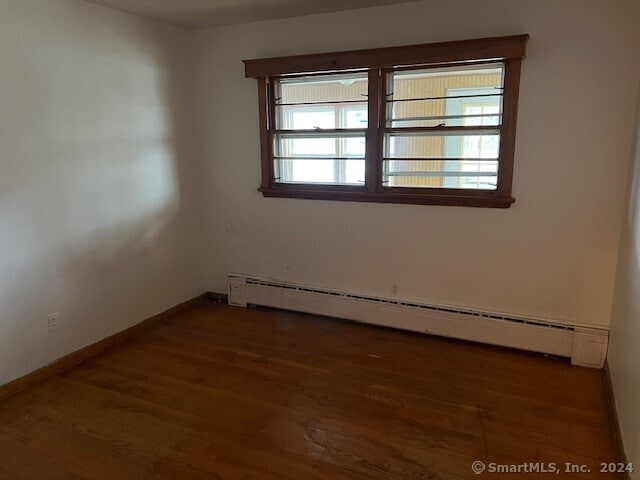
{"x":483,"y":201}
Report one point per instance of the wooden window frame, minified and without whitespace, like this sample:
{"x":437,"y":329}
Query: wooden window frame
{"x":378,"y":63}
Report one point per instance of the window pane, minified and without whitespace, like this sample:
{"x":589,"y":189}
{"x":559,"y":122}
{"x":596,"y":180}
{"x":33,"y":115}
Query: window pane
{"x":437,"y":160}
{"x":467,"y":174}
{"x":318,"y":145}
{"x":354,"y":147}
{"x":482,"y":144}
{"x":320,"y":171}
{"x":320,"y":158}
{"x":450,"y":96}
{"x":306,"y":147}
{"x":322,"y":102}
{"x":355,"y":117}
{"x":309,"y":118}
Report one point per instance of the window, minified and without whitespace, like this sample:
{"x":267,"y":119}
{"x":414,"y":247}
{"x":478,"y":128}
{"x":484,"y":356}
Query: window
{"x":322,"y":121}
{"x":423,"y":124}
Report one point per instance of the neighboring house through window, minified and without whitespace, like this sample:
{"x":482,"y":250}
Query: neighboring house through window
{"x":478,"y":107}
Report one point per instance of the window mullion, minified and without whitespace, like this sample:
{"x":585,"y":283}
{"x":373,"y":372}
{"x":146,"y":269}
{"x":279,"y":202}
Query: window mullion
{"x":384,"y":93}
{"x":372,"y":149}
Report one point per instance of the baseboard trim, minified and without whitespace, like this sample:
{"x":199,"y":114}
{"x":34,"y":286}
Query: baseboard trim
{"x":75,"y":358}
{"x":614,"y":419}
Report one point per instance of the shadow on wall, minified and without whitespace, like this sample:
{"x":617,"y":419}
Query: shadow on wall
{"x":98,"y":187}
{"x":625,"y":331}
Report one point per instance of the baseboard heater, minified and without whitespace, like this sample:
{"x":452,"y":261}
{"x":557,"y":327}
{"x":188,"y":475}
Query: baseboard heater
{"x":585,"y":346}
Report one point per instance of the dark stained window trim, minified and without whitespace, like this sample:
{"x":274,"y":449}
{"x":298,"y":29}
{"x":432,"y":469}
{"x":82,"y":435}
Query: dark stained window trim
{"x":493,"y":48}
{"x":378,"y":62}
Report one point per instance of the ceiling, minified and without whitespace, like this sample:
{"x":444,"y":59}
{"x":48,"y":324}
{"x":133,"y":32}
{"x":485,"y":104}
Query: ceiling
{"x":208,"y":13}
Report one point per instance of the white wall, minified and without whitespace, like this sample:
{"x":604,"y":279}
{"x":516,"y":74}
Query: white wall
{"x":98,"y":178}
{"x":624,"y":362}
{"x":552,"y":255}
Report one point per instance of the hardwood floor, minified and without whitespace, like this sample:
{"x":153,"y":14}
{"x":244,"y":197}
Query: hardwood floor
{"x":227,"y":393}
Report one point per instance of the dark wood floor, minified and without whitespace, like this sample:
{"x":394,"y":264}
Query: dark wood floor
{"x":230,"y":393}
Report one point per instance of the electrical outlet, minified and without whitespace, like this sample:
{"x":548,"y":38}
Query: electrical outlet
{"x":53,"y":322}
{"x":394,"y":290}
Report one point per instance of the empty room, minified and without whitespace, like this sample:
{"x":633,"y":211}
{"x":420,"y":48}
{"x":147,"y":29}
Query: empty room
{"x":319,"y":239}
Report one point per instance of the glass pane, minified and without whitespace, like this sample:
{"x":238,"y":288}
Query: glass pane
{"x":466,"y":174}
{"x":484,"y":145}
{"x":320,"y":158}
{"x":318,"y":145}
{"x":320,"y":171}
{"x":306,"y":147}
{"x":310,"y":118}
{"x":355,"y":117}
{"x":322,"y":102}
{"x":451,"y":96}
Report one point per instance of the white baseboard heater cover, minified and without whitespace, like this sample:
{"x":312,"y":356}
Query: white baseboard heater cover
{"x":585,"y":346}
